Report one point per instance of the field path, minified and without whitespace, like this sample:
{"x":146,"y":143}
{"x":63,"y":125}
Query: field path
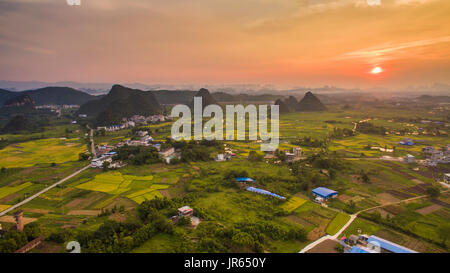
{"x":44,"y":190}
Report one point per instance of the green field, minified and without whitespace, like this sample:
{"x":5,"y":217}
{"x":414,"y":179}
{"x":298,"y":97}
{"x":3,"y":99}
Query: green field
{"x":337,"y":223}
{"x":5,"y":191}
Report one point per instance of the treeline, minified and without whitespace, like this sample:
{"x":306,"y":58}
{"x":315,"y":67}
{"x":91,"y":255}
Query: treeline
{"x":369,"y":128}
{"x":309,"y":142}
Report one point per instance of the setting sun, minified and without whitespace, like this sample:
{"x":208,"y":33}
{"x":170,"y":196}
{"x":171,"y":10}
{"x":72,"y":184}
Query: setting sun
{"x":376,"y":70}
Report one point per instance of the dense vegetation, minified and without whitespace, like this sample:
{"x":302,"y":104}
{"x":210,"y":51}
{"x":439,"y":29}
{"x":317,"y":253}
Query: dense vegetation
{"x":13,"y":240}
{"x":137,"y":155}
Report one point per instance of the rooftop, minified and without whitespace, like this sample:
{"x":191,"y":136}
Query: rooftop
{"x":390,"y":246}
{"x":324,"y":192}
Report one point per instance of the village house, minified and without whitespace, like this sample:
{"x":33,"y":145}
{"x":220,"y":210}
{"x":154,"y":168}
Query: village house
{"x":295,"y":155}
{"x":142,"y":133}
{"x":428,"y":150}
{"x":409,"y":159}
{"x":436,"y":155}
{"x":223,"y":157}
{"x":167,"y":152}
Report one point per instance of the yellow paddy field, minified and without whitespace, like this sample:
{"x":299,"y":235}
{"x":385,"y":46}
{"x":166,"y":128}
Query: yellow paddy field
{"x":52,"y":150}
{"x":136,"y":188}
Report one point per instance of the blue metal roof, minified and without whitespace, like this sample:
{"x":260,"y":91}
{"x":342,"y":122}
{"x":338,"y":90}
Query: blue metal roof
{"x":324,"y":192}
{"x":390,"y":246}
{"x":260,"y":191}
{"x":244,"y":179}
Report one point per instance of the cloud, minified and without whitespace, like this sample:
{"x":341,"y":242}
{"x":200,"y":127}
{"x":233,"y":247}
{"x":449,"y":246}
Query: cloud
{"x":390,"y":51}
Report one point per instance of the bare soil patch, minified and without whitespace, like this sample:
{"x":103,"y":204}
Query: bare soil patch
{"x":165,"y":193}
{"x":316,"y":233}
{"x":74,"y":203}
{"x":343,"y":197}
{"x":11,"y":219}
{"x":385,"y":198}
{"x":326,"y":246}
{"x":429,"y":209}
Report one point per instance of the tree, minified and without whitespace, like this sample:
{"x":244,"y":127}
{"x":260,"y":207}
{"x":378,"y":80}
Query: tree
{"x":83,"y":156}
{"x":105,"y":165}
{"x":254,"y":156}
{"x":243,"y":239}
{"x":433,"y":191}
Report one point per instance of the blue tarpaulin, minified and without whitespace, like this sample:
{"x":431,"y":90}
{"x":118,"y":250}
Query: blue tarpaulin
{"x":260,"y":191}
{"x":244,"y":179}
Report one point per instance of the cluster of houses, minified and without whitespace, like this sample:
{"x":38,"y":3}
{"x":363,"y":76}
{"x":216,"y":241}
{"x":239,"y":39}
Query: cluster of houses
{"x":135,"y":120}
{"x":228,"y":155}
{"x":291,"y":156}
{"x":371,"y":244}
{"x":106,"y":157}
{"x":433,"y":155}
{"x":127,"y":124}
{"x":437,"y":156}
{"x":57,"y":107}
{"x":106,"y":152}
{"x":138,"y":119}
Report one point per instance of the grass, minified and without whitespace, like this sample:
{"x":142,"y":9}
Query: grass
{"x":160,"y":243}
{"x":27,"y":154}
{"x":337,"y":223}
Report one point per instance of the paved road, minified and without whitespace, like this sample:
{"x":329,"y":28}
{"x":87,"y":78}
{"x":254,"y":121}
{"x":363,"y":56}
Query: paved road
{"x":43,"y":191}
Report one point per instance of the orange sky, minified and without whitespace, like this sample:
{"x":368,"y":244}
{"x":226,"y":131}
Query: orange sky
{"x":299,"y":42}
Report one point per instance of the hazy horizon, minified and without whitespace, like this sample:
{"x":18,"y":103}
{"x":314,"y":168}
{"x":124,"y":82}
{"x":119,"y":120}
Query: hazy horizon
{"x":304,"y":43}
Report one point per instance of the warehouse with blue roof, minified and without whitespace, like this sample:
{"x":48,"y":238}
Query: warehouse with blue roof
{"x":387,"y":246}
{"x":324,"y":193}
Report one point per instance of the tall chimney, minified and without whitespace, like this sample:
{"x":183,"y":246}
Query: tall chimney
{"x":19,"y":220}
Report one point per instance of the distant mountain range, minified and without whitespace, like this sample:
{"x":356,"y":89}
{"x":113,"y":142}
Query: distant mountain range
{"x":50,"y":95}
{"x":309,"y":103}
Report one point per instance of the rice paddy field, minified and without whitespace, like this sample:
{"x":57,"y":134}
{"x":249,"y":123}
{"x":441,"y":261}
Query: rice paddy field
{"x":27,"y":154}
